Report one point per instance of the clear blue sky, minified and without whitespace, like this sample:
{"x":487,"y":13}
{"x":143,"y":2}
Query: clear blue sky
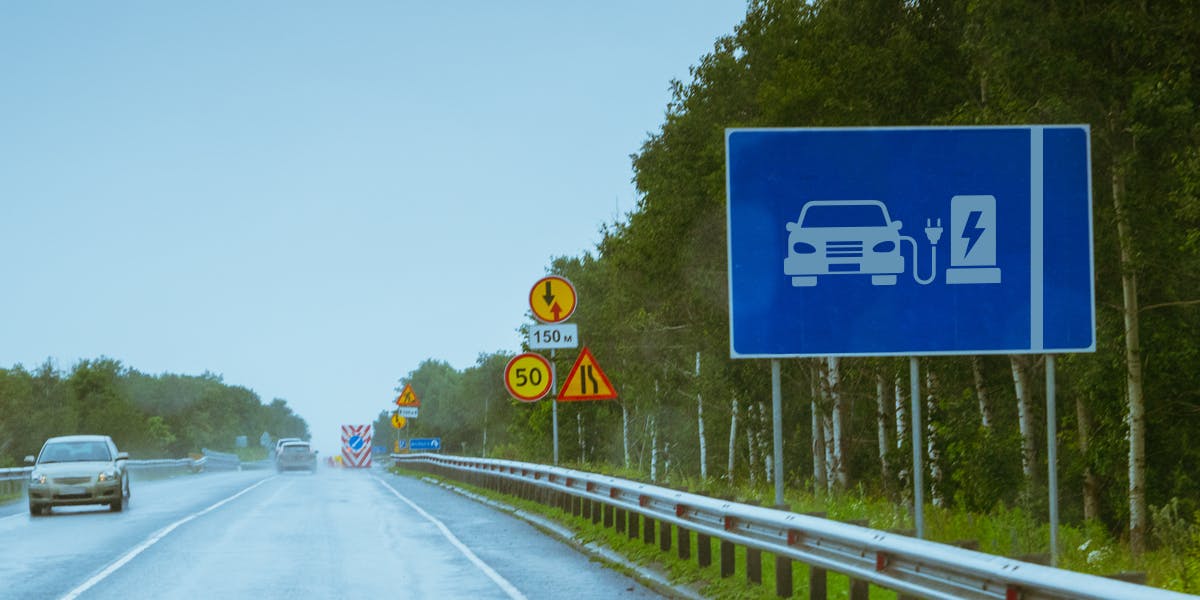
{"x":309,"y":198}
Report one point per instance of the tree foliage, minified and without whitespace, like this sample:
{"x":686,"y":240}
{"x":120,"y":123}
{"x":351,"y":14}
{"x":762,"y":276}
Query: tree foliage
{"x":654,"y":291}
{"x":149,"y":416}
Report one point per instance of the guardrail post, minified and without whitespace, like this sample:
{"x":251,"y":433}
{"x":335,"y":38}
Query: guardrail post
{"x":620,"y":520}
{"x":859,"y":589}
{"x":597,"y":511}
{"x":648,"y":531}
{"x":783,"y":576}
{"x":633,"y":525}
{"x":754,"y":565}
{"x":664,"y":536}
{"x":727,"y":559}
{"x":703,"y":549}
{"x":608,"y":516}
{"x":816,"y":583}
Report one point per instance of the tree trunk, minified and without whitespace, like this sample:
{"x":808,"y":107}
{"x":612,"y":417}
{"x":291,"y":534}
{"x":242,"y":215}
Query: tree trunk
{"x":1024,"y":417}
{"x":579,"y":432}
{"x":625,"y":432}
{"x":1133,"y":370}
{"x":835,"y":463}
{"x":1091,"y":492}
{"x":764,"y":450}
{"x":700,"y":424}
{"x":820,"y":481}
{"x":653,"y":450}
{"x":733,"y":426}
{"x":751,"y":445}
{"x":985,"y":407}
{"x":935,"y":457}
{"x":882,"y":403}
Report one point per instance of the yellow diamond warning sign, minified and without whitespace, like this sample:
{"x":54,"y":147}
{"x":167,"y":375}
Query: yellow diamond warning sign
{"x":586,"y":381}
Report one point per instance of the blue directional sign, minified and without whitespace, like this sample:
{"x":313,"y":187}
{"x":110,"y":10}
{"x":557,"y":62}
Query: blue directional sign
{"x":425,"y":444}
{"x":909,"y":241}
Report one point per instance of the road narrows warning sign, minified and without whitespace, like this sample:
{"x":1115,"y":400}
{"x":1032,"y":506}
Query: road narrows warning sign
{"x":586,"y":381}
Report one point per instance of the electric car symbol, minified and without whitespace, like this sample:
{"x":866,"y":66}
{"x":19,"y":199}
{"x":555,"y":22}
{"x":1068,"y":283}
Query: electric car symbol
{"x":843,"y":237}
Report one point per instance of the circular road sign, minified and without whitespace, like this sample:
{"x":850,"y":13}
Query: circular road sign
{"x":552,"y":299}
{"x":398,"y":421}
{"x":527,"y":377}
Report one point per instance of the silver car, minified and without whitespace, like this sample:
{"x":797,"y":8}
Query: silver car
{"x":78,"y":469}
{"x":296,"y":456}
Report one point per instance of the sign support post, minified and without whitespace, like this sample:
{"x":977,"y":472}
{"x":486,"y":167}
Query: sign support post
{"x":554,"y":404}
{"x":918,"y":476}
{"x":1052,"y":457}
{"x":777,"y":417}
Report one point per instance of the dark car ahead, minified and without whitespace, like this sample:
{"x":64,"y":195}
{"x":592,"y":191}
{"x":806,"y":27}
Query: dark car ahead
{"x":78,"y":469}
{"x":296,"y":456}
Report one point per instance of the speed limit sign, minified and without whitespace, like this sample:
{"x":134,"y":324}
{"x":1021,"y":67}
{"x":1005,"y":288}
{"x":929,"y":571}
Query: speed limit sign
{"x":527,"y":377}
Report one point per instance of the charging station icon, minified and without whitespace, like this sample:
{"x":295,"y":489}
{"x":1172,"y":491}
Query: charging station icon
{"x":973,"y":240}
{"x":859,"y":237}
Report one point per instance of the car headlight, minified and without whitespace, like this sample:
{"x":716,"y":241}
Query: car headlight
{"x":803,"y":248}
{"x":38,"y":478}
{"x":108,"y":475}
{"x":886,"y":246}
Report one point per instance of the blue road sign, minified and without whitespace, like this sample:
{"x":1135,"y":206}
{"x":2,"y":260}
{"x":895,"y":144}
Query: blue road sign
{"x":909,"y":241}
{"x":425,"y":444}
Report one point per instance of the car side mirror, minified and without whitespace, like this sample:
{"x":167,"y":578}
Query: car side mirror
{"x":897,"y":224}
{"x":122,"y":456}
{"x":29,"y":460}
{"x":791,"y":226}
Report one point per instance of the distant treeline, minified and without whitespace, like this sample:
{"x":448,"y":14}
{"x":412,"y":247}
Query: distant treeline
{"x":653,"y":296}
{"x":149,"y":416}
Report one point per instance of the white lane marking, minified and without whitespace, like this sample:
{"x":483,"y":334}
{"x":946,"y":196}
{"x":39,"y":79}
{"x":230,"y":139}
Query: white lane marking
{"x":150,"y":541}
{"x":12,"y":516}
{"x":508,"y":588}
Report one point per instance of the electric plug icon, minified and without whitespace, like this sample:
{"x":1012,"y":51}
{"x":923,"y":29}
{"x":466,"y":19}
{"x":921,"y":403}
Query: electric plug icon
{"x":933,"y":232}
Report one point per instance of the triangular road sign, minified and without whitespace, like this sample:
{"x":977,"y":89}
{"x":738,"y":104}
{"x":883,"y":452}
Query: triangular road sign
{"x":586,"y":381}
{"x":408,"y":397}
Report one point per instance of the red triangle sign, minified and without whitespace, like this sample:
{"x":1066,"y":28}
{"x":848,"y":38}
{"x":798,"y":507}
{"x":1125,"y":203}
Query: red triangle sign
{"x":586,"y":381}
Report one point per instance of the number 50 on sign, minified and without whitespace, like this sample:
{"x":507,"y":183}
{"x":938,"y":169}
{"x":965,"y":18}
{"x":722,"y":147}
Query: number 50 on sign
{"x":527,"y":377}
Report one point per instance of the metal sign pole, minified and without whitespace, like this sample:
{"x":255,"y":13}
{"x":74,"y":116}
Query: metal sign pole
{"x":918,"y":476}
{"x":1052,"y":457}
{"x":554,"y":403}
{"x":777,"y":416}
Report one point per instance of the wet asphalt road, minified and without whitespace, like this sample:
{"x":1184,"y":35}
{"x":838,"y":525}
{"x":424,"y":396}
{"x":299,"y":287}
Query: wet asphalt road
{"x":255,"y":534}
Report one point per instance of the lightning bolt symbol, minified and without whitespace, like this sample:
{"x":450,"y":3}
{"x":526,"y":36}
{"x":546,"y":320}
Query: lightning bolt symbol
{"x":972,"y":231}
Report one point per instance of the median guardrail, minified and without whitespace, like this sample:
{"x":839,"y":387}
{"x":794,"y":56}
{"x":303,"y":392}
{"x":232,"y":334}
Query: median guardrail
{"x":220,"y":461}
{"x":13,"y":480}
{"x":909,"y":566}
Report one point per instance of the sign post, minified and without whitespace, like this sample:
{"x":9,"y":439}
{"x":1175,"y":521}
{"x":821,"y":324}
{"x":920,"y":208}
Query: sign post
{"x":910,"y":242}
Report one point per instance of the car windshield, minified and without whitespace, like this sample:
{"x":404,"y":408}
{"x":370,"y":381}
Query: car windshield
{"x":844,"y":215}
{"x":59,"y":452}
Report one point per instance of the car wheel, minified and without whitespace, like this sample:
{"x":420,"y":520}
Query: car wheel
{"x":805,"y":281}
{"x":883,"y":280}
{"x":37,"y":510}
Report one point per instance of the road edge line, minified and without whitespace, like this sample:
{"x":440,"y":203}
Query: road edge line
{"x":497,"y":578}
{"x":648,"y":577}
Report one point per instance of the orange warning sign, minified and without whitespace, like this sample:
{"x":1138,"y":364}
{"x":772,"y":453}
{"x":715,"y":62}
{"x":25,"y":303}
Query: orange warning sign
{"x":586,"y":381}
{"x":408,"y":397}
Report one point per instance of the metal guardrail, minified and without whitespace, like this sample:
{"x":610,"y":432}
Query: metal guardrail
{"x":220,"y":461}
{"x":13,"y":480}
{"x":909,"y":566}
